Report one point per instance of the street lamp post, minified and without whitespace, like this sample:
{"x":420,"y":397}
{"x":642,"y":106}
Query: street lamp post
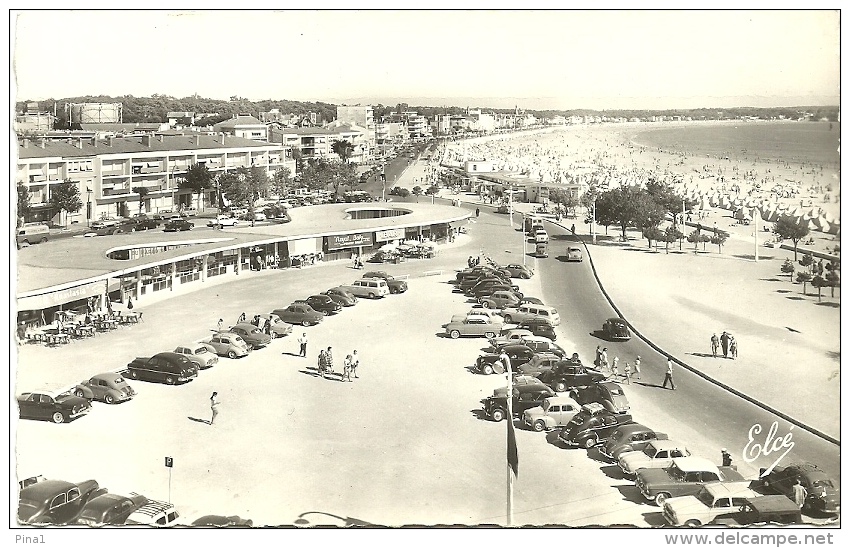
{"x":88,"y":207}
{"x":593,"y":224}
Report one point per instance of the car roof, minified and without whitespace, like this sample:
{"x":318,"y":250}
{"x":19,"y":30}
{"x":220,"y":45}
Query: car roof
{"x":537,"y":338}
{"x":107,"y":376}
{"x":245,"y":325}
{"x":634,"y":427}
{"x":617,"y":320}
{"x":666,"y":445}
{"x":153,"y":507}
{"x":730,"y":489}
{"x":773,"y":503}
{"x":561,"y":400}
{"x":695,"y":464}
{"x":46,"y":488}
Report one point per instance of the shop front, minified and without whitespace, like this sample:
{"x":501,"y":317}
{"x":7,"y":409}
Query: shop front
{"x":345,"y":246}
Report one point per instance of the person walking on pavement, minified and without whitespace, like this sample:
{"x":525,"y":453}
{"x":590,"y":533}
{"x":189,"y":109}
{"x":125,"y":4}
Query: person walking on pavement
{"x":800,"y":493}
{"x":220,"y":324}
{"x":477,"y":212}
{"x":322,"y":363}
{"x":669,"y":376}
{"x":598,"y":361}
{"x":213,"y":407}
{"x":724,"y":341}
{"x":346,"y":369}
{"x":603,"y":359}
{"x":637,"y":367}
{"x":241,"y":318}
{"x":715,"y":344}
{"x":733,"y":347}
{"x":302,"y":340}
{"x":329,"y":361}
{"x":726,"y":457}
{"x":627,"y":373}
{"x":615,"y":367}
{"x":355,"y":361}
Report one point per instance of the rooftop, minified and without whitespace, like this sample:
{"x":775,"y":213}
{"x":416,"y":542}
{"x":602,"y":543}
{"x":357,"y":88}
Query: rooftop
{"x":132,"y":144}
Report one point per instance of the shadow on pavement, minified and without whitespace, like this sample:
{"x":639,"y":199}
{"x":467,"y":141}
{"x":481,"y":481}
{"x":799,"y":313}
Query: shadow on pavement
{"x":480,"y":415}
{"x":750,"y":257}
{"x":783,"y":290}
{"x":830,"y":304}
{"x":701,"y":355}
{"x":650,"y":385}
{"x":795,"y":298}
{"x":770,"y":279}
{"x":204,"y":421}
{"x":655,"y":519}
{"x":594,"y":455}
{"x":612,"y":471}
{"x":290,"y":354}
{"x":632,"y":494}
{"x":599,"y":334}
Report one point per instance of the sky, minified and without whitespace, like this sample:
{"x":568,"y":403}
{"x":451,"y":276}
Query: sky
{"x":498,"y":59}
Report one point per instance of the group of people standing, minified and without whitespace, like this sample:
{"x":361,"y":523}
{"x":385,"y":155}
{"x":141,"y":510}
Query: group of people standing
{"x":727,"y":342}
{"x":613,"y":368}
{"x":326,"y":364}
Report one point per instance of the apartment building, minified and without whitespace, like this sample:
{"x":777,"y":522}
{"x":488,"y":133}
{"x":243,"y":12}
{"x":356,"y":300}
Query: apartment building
{"x":245,"y":126}
{"x":363,"y":117}
{"x":317,"y":142}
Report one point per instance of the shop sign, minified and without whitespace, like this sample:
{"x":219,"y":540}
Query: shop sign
{"x":349,"y":240}
{"x":387,"y":235}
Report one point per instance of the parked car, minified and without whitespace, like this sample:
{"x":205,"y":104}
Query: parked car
{"x":342,"y":296}
{"x":630,"y":437}
{"x":323,"y":304}
{"x":251,"y":334}
{"x":592,"y":426}
{"x":222,"y":221}
{"x":763,"y":510}
{"x":277,"y":327}
{"x":499,"y":300}
{"x":58,"y":407}
{"x":655,"y":454}
{"x":228,"y":344}
{"x":530,"y":300}
{"x":189,"y":211}
{"x":823,"y":493}
{"x":492,"y":315}
{"x":490,"y":363}
{"x":474,"y":326}
{"x":711,"y":501}
{"x":154,"y":513}
{"x":540,"y":235}
{"x":684,"y":477}
{"x":201,"y":354}
{"x":509,"y":336}
{"x":167,"y":367}
{"x":542,"y":344}
{"x":609,"y":394}
{"x":525,"y":312}
{"x":105,"y":387}
{"x":539,"y":326}
{"x":568,"y":374}
{"x":524,"y":397}
{"x":110,"y":509}
{"x":374,"y":288}
{"x":616,"y":329}
{"x":539,"y":362}
{"x":106,"y":227}
{"x":488,"y":287}
{"x":54,"y":502}
{"x":554,"y":412}
{"x":222,"y":521}
{"x":574,"y":254}
{"x":520,"y":271}
{"x":299,"y":313}
{"x":396,"y":286}
{"x":32,"y":233}
{"x":175,"y":225}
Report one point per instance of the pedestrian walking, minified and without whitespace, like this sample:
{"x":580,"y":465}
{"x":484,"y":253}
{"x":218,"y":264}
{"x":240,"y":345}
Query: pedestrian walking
{"x":603,"y":358}
{"x":627,"y":373}
{"x":220,"y":324}
{"x":322,"y":363}
{"x":733,"y":347}
{"x":669,"y":376}
{"x":213,"y":407}
{"x":355,"y":361}
{"x":637,"y":367}
{"x":477,"y":212}
{"x":302,"y":340}
{"x":241,"y":318}
{"x":724,"y":342}
{"x":715,"y":344}
{"x":615,"y":367}
{"x":800,"y":493}
{"x":346,"y":369}
{"x":597,"y":362}
{"x":573,"y":229}
{"x":329,"y":361}
{"x":726,"y":457}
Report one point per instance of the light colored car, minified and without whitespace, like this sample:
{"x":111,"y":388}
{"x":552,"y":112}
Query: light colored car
{"x":711,"y":501}
{"x":106,"y":387}
{"x":155,"y":514}
{"x":529,"y":311}
{"x":511,"y":336}
{"x":499,"y":299}
{"x":223,"y":220}
{"x":574,"y":254}
{"x":475,"y":326}
{"x":492,"y":315}
{"x":373,"y":288}
{"x":540,"y":235}
{"x":554,"y":412}
{"x":278,"y":327}
{"x":228,"y":344}
{"x":656,"y":454}
{"x":203,"y":355}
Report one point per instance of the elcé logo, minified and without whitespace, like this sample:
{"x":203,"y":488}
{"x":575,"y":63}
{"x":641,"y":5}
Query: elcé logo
{"x":771,"y":445}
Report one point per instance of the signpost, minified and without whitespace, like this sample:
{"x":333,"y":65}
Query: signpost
{"x":169,"y":463}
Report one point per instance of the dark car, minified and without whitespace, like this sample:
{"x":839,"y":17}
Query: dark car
{"x":609,"y":394}
{"x":592,"y":426}
{"x":489,"y":285}
{"x":570,"y":374}
{"x":823,"y":494}
{"x":530,"y":300}
{"x":222,"y":521}
{"x":396,"y":286}
{"x":768,"y":509}
{"x":54,"y":502}
{"x":110,"y":509}
{"x":145,"y":222}
{"x":490,"y":363}
{"x":175,"y":225}
{"x":629,"y":437}
{"x":616,"y":329}
{"x":468,"y":282}
{"x":684,"y":477}
{"x":540,"y":362}
{"x":167,"y":367}
{"x":322,"y":303}
{"x":540,"y":327}
{"x":341,"y":296}
{"x":299,"y":313}
{"x":251,"y":334}
{"x":59,"y":408}
{"x":525,"y":396}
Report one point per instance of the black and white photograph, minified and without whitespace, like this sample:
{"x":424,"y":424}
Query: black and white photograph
{"x":392,"y":269}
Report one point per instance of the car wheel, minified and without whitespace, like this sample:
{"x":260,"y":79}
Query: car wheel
{"x":79,"y":393}
{"x":560,"y":386}
{"x":590,"y":442}
{"x":58,"y":417}
{"x":525,"y":276}
{"x":108,"y":399}
{"x":44,"y":240}
{"x":692,"y":523}
{"x":487,"y":369}
{"x":485,"y":304}
{"x":539,"y":426}
{"x":454,"y":334}
{"x":305,"y":323}
{"x":371,"y":295}
{"x":490,"y":335}
{"x":231,"y":354}
{"x":134,"y":374}
{"x":508,"y":318}
{"x":169,"y":380}
{"x":660,"y":498}
{"x":324,"y":312}
{"x":498,"y":415}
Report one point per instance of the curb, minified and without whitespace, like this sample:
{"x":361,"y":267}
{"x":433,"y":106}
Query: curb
{"x":712,"y":380}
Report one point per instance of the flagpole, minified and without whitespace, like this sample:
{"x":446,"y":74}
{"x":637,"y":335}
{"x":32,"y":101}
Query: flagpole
{"x":510,"y":486}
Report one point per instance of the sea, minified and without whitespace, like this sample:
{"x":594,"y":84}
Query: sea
{"x":809,"y":143}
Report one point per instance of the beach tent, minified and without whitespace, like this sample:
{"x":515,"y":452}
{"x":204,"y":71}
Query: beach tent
{"x":743,"y":214}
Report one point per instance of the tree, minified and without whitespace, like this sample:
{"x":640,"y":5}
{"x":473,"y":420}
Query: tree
{"x":819,"y":282}
{"x":417,"y":190}
{"x":704,"y":238}
{"x":24,"y":207}
{"x":788,"y":268}
{"x":564,"y":198}
{"x":399,"y":191}
{"x":197,"y":179}
{"x":788,"y":228}
{"x":653,"y":234}
{"x":65,"y":196}
{"x":694,"y":238}
{"x":833,"y":280}
{"x":142,"y":191}
{"x":718,"y":239}
{"x":803,"y":277}
{"x":343,"y":149}
{"x":671,"y":234}
{"x":432,"y":190}
{"x":628,"y":206}
{"x":807,"y":261}
{"x":281,"y":182}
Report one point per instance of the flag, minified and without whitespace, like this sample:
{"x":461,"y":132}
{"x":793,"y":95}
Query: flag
{"x":513,"y":460}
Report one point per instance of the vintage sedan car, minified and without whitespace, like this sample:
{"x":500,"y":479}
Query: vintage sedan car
{"x":222,"y":521}
{"x":167,"y":367}
{"x":277,"y":328}
{"x":222,"y":221}
{"x":491,"y":315}
{"x":54,"y":502}
{"x":473,"y":326}
{"x":762,"y":510}
{"x":201,"y":354}
{"x":251,"y":334}
{"x":110,"y":509}
{"x":322,"y":303}
{"x":616,"y":329}
{"x":539,"y":326}
{"x":490,"y":363}
{"x":574,"y":254}
{"x":524,"y":397}
{"x":823,"y":493}
{"x":656,"y":454}
{"x":591,"y":426}
{"x":396,"y":285}
{"x":630,"y":437}
{"x":106,"y":387}
{"x":58,"y":407}
{"x":685,"y":476}
{"x":539,"y":362}
{"x":554,"y":412}
{"x":228,"y":344}
{"x":542,"y":344}
{"x":340,"y":295}
{"x":499,"y":300}
{"x":175,"y":225}
{"x":568,"y":374}
{"x":525,"y":312}
{"x":154,"y":513}
{"x":487,"y":288}
{"x":711,"y":501}
{"x":530,"y":300}
{"x":609,"y":394}
{"x":299,"y":313}
{"x":520,"y":271}
{"x":509,"y":336}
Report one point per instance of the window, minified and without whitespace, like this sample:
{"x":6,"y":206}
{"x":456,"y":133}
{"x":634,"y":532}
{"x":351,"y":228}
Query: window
{"x":57,"y":501}
{"x":692,"y":476}
{"x":555,"y":408}
{"x":722,"y":503}
{"x":73,"y":494}
{"x":661,"y":455}
{"x":161,"y":521}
